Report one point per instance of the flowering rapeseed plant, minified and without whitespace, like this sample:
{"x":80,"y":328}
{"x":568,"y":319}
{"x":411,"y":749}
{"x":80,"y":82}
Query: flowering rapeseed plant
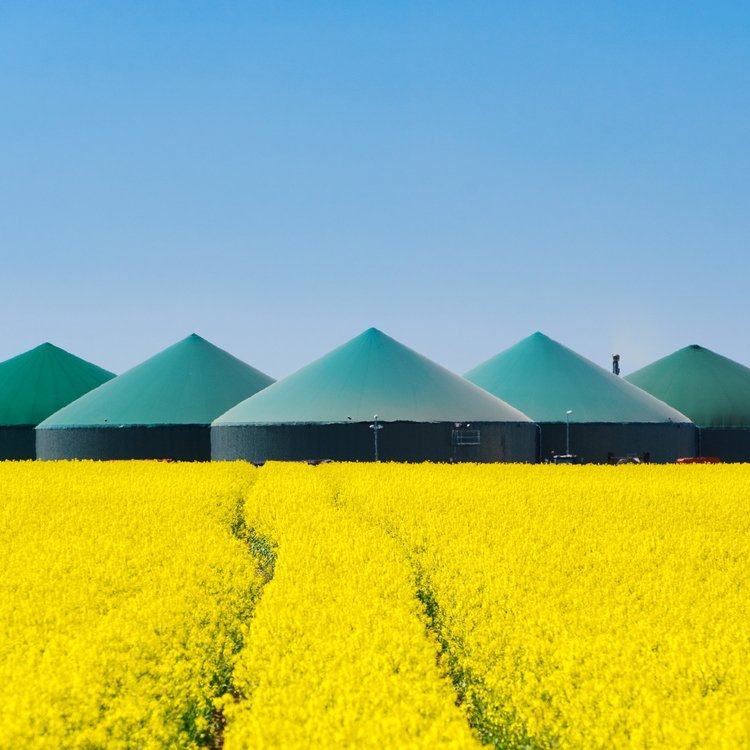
{"x":150,"y":605}
{"x":121,"y":601}
{"x":337,"y":654}
{"x":580,"y":607}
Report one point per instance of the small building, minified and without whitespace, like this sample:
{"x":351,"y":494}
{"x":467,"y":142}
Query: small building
{"x":34,"y":385}
{"x":583,"y":409}
{"x":160,"y":409}
{"x":373,"y":399}
{"x":714,"y":391}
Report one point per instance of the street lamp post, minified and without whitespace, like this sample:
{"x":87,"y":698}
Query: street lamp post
{"x":376,"y":427}
{"x":567,"y":431}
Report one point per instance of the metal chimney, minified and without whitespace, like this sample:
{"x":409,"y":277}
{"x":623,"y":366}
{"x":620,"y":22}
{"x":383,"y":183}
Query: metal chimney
{"x":616,"y":364}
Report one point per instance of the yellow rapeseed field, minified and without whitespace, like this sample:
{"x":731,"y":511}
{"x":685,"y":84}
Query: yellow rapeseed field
{"x":580,"y":607}
{"x":150,"y":605}
{"x":122,"y":597}
{"x":337,"y":654}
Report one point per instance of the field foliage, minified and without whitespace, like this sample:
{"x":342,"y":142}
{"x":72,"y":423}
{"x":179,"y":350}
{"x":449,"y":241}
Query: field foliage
{"x":122,"y":602}
{"x":149,"y":605}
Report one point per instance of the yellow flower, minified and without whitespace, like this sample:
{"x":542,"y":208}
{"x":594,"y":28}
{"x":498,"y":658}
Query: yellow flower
{"x":150,"y":605}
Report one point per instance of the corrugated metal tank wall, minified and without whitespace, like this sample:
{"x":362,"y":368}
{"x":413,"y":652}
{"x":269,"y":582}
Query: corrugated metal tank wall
{"x":598,"y":442}
{"x":17,"y":443}
{"x":173,"y":442}
{"x":730,"y":445}
{"x":397,"y":441}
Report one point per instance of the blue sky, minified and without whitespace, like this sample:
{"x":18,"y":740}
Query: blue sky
{"x":278,"y":177}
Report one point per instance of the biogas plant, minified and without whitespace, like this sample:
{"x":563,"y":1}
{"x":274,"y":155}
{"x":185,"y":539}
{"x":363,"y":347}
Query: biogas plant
{"x":375,"y":399}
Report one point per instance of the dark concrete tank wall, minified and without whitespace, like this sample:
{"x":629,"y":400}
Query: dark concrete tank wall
{"x":597,"y":442}
{"x":397,"y":441}
{"x":730,"y":445}
{"x":17,"y":443}
{"x":175,"y":442}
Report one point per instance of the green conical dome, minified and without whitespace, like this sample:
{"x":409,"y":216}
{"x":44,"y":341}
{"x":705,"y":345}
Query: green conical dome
{"x":714,"y":391}
{"x":190,"y":382}
{"x":545,"y":379}
{"x":37,"y":383}
{"x":371,"y":374}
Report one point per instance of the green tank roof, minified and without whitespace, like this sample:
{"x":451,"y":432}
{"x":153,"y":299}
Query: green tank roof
{"x":38,"y":382}
{"x":546,"y":379}
{"x":714,"y":391}
{"x":371,"y":374}
{"x":190,"y":382}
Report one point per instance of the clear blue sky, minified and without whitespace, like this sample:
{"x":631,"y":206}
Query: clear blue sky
{"x":279,"y":176}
